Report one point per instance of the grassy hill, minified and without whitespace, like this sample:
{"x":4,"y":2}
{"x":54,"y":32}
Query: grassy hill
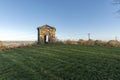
{"x":60,"y":62}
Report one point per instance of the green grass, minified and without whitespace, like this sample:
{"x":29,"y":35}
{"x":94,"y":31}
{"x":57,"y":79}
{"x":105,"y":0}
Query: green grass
{"x":60,"y":62}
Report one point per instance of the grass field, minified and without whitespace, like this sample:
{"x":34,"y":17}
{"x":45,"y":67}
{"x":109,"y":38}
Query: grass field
{"x":60,"y":62}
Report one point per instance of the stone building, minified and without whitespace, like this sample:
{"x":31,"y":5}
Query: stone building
{"x":46,"y":34}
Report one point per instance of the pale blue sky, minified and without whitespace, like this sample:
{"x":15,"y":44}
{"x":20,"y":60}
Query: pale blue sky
{"x":73,"y":19}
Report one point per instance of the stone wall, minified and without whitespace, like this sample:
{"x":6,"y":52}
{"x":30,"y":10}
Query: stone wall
{"x":44,"y":31}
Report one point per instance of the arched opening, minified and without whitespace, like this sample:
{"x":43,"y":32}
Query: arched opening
{"x":46,"y":39}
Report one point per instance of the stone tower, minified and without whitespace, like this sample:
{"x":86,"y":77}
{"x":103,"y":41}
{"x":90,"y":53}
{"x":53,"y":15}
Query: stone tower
{"x":46,"y":34}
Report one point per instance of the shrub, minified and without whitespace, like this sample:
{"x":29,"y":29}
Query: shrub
{"x":1,"y":43}
{"x":85,"y":42}
{"x":57,"y":41}
{"x":90,"y":42}
{"x":70,"y":42}
{"x":82,"y":42}
{"x":100,"y":43}
{"x":114,"y":43}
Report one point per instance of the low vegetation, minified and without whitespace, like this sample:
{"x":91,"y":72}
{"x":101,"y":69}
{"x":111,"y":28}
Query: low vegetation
{"x":1,"y":43}
{"x":60,"y":62}
{"x":15,"y":44}
{"x":113,"y":43}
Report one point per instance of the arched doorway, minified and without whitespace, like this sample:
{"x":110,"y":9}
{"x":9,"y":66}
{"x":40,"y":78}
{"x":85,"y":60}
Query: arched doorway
{"x":46,"y":39}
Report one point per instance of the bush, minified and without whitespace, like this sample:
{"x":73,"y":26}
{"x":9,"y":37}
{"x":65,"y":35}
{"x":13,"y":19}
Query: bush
{"x":57,"y":41}
{"x":70,"y":42}
{"x":114,"y":43}
{"x":1,"y":43}
{"x":100,"y":43}
{"x":90,"y":42}
{"x":82,"y":42}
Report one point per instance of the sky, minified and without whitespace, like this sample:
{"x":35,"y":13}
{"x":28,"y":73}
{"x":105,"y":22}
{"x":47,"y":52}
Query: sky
{"x":73,"y":19}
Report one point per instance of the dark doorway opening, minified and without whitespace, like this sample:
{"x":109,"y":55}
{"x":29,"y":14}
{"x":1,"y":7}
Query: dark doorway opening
{"x":46,"y":39}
